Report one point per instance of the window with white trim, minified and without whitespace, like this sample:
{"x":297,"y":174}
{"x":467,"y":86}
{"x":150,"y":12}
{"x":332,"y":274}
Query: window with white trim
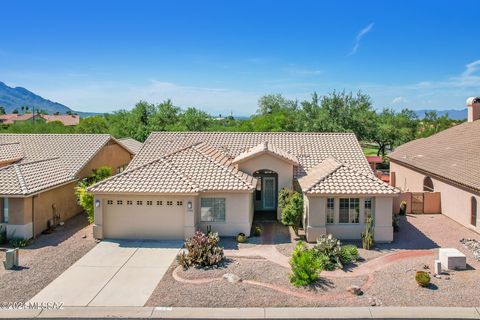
{"x":149,"y":203}
{"x":129,"y":202}
{"x":109,"y":201}
{"x":139,"y":203}
{"x":330,"y":210}
{"x":179,"y":203}
{"x":349,"y":210}
{"x":159,"y":203}
{"x":212,"y":209}
{"x":5,"y":210}
{"x":119,"y":202}
{"x":169,"y":203}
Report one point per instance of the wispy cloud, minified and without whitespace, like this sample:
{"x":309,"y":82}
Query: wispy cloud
{"x":359,"y":38}
{"x":399,"y":100}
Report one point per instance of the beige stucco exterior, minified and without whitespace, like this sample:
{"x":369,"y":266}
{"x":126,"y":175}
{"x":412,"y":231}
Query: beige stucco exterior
{"x":315,"y":208}
{"x":266,"y":161}
{"x":29,"y":216}
{"x":161,"y":221}
{"x":455,"y":200}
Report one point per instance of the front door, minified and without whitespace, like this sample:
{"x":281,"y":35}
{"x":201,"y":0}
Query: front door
{"x":269,"y":193}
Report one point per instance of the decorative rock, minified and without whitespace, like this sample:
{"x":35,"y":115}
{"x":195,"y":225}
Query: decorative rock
{"x":372,"y":302}
{"x":356,"y":290}
{"x":232,"y":278}
{"x":447,"y":278}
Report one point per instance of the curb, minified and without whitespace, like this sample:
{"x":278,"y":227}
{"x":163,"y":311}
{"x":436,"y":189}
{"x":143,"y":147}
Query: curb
{"x":247,"y":313}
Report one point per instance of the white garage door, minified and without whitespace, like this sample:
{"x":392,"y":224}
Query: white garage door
{"x":151,"y":219}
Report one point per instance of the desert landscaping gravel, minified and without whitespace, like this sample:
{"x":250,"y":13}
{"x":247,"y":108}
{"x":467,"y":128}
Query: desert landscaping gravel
{"x":45,"y":259}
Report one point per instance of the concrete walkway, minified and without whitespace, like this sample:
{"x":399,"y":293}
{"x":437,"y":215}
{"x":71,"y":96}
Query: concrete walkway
{"x":248,"y":313}
{"x":114,"y":273}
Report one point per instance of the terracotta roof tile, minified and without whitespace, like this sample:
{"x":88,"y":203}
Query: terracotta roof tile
{"x":66,"y":119}
{"x":266,"y":147}
{"x":10,"y":152}
{"x":131,"y":144}
{"x":331,"y":177}
{"x":196,"y":168}
{"x":453,"y":154}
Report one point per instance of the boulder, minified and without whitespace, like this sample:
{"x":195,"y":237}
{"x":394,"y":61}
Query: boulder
{"x":232,"y":278}
{"x":356,"y":290}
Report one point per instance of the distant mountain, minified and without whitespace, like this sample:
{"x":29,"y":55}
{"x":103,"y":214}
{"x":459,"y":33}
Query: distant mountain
{"x":15,"y":98}
{"x":453,"y":114}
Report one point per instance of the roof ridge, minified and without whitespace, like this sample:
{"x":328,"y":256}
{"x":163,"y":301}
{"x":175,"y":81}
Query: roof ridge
{"x":230,"y":168}
{"x":317,"y":181}
{"x":21,"y":180}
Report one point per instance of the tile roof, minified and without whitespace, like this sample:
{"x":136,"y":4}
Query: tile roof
{"x":331,"y":177}
{"x":30,"y":177}
{"x":269,"y":148}
{"x":131,"y":144}
{"x":66,"y":119}
{"x":196,"y":168}
{"x":453,"y":154}
{"x":310,"y":148}
{"x":10,"y":152}
{"x":70,"y":151}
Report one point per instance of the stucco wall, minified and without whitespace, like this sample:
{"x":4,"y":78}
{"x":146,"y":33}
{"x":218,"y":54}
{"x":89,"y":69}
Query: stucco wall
{"x":269,"y":162}
{"x":112,"y":155}
{"x":238,"y":214}
{"x":455,"y":202}
{"x":316,"y":208}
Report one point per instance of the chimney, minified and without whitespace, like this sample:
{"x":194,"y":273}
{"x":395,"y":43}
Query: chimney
{"x":473,"y":106}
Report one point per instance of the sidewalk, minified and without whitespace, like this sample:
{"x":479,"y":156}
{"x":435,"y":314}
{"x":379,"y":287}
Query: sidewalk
{"x":248,"y":313}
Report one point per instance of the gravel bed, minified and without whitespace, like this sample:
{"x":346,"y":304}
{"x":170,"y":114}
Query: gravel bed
{"x":45,"y":259}
{"x":224,"y":294}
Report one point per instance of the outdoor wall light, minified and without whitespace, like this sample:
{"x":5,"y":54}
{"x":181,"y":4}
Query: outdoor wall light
{"x":189,"y":205}
{"x":97,"y":203}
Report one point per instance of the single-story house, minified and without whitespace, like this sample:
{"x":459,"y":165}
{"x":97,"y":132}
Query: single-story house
{"x":180,"y":182}
{"x":65,"y":119}
{"x":447,"y":162}
{"x":38,"y":174}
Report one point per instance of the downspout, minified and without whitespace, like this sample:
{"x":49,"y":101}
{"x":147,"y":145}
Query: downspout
{"x":33,"y":216}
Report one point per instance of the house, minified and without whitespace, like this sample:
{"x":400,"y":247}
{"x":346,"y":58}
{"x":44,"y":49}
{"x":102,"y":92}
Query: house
{"x":131,"y":144}
{"x":180,"y":182}
{"x":38,"y":174}
{"x":447,"y":162}
{"x":66,"y":120}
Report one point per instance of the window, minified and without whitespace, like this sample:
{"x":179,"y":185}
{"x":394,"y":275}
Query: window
{"x":129,"y":202}
{"x":5,"y":210}
{"x":330,"y":210}
{"x":149,"y":203}
{"x":428,"y":184}
{"x":159,"y":203}
{"x":369,"y":208}
{"x":109,"y":201}
{"x":179,"y":203}
{"x":139,"y":203}
{"x":473,"y":213}
{"x":349,"y":210}
{"x":169,"y":203}
{"x":212,"y":209}
{"x":119,"y":202}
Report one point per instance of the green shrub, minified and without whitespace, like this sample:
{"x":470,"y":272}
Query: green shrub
{"x":292,"y":213}
{"x":241,"y":237}
{"x":403,"y":208}
{"x":3,"y":235}
{"x":396,"y":222}
{"x":19,"y":242}
{"x":306,"y":265}
{"x":422,"y":278}
{"x":329,"y":247}
{"x":85,"y":198}
{"x":348,"y":254}
{"x":284,"y":197}
{"x":257,"y":231}
{"x":202,"y":250}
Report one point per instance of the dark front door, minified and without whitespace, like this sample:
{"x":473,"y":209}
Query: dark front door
{"x":269,"y":193}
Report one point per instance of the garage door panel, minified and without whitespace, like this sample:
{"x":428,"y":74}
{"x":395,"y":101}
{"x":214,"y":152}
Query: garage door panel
{"x":143,"y":222}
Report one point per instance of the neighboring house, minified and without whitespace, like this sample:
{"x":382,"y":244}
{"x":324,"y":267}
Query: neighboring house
{"x":66,"y":120}
{"x":183,"y":181}
{"x":447,"y":162}
{"x":131,"y":144}
{"x":38,"y":174}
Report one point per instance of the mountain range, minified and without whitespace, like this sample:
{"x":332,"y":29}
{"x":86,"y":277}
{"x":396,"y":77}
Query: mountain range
{"x":15,"y":98}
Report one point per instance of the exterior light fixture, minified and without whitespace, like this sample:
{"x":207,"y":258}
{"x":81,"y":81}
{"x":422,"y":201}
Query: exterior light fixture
{"x":189,"y":205}
{"x":97,"y":203}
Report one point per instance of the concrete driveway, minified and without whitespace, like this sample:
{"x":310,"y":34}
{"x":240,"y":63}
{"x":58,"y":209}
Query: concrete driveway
{"x":113,"y":273}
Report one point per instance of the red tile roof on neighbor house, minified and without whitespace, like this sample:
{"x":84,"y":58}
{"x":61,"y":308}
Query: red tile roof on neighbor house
{"x":67,"y":120}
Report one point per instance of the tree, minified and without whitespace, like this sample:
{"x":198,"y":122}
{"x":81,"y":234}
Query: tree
{"x":164,"y":116}
{"x":85,"y":198}
{"x":95,"y":124}
{"x":15,"y":111}
{"x":2,"y":110}
{"x":195,"y":120}
{"x":292,"y":213}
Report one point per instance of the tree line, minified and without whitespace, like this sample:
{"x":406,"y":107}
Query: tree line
{"x":335,"y":112}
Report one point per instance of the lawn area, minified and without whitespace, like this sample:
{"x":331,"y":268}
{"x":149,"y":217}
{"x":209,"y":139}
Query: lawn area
{"x":370,"y":151}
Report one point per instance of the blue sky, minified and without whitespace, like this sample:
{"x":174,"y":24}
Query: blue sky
{"x":221,"y":56}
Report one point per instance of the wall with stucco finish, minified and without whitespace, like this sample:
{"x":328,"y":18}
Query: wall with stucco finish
{"x":269,"y":162}
{"x":455,"y":202}
{"x":112,"y":155}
